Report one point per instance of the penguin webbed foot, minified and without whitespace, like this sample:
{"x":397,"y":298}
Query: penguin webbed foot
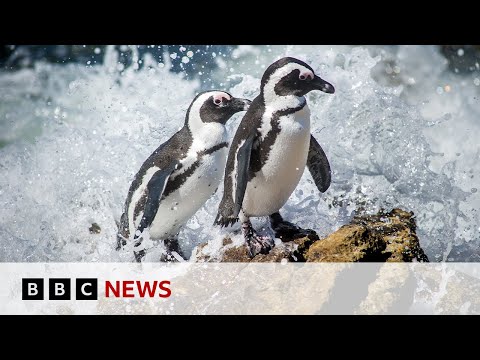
{"x":167,"y":256}
{"x":172,"y":253}
{"x":287,"y":231}
{"x":256,"y":244}
{"x":172,"y":256}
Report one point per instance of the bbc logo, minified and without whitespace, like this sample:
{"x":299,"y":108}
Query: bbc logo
{"x":59,"y":289}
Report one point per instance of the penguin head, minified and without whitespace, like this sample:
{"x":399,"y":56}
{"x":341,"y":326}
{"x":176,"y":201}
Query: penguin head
{"x":215,"y":106}
{"x":290,"y":76}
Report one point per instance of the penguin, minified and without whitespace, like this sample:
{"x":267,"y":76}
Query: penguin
{"x":180,"y":175}
{"x":269,"y":152}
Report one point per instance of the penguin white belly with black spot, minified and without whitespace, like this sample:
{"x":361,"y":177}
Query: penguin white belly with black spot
{"x":271,"y":187}
{"x":178,"y":207}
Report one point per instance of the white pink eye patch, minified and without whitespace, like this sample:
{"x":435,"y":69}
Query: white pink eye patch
{"x":304,"y":75}
{"x":218,"y":98}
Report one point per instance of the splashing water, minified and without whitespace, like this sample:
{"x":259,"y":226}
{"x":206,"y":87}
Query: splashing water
{"x":407,"y":143}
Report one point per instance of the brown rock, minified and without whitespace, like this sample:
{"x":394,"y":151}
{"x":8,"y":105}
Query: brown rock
{"x":381,"y":237}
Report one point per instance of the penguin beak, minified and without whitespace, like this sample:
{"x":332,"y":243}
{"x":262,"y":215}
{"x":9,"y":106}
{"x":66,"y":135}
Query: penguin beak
{"x":319,"y":84}
{"x":238,"y":104}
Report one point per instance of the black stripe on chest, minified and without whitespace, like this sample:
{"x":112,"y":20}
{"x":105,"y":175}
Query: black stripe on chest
{"x":261,"y":149}
{"x":179,"y":180}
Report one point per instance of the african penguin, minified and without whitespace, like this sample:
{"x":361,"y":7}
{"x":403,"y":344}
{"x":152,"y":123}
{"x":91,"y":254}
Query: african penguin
{"x":180,"y":175}
{"x":269,"y":152}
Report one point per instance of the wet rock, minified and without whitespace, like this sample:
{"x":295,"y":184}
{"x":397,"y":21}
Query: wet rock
{"x":95,"y":229}
{"x":383,"y":237}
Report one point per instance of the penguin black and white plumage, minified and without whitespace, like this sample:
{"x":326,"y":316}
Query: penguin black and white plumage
{"x":269,"y":152}
{"x":180,"y":175}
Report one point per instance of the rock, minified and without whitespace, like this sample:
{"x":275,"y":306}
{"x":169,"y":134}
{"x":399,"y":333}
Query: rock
{"x":383,"y":237}
{"x":448,"y":292}
{"x":95,"y":229}
{"x":290,"y":251}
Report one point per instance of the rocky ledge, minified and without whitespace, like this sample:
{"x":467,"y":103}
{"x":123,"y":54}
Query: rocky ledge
{"x":383,"y":237}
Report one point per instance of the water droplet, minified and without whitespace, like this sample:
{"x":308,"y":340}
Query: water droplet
{"x":473,"y":190}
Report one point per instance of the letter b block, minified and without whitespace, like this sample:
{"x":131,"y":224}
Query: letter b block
{"x":32,"y":289}
{"x":59,"y":289}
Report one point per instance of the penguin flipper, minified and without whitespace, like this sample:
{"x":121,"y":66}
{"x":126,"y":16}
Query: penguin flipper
{"x":229,"y":208}
{"x":318,"y":165}
{"x":155,"y":188}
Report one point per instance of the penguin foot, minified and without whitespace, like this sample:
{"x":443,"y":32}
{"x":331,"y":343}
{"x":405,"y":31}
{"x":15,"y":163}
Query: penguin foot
{"x":256,"y":244}
{"x":172,"y":256}
{"x":286,"y":231}
{"x":173,"y":252}
{"x":139,"y":255}
{"x":167,"y":256}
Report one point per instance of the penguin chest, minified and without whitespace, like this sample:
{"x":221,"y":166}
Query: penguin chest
{"x":271,"y":187}
{"x":201,"y":179}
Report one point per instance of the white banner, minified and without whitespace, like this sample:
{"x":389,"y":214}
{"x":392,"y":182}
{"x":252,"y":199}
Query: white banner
{"x":240,"y":288}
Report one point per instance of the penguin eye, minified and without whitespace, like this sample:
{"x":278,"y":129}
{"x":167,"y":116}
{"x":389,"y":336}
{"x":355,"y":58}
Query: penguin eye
{"x":306,"y":76}
{"x":221,"y":99}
